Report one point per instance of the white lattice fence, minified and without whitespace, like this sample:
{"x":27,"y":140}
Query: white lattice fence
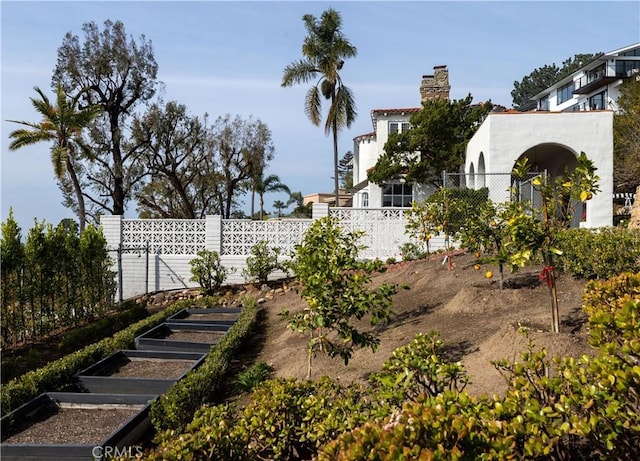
{"x":383,"y":228}
{"x":239,"y":236}
{"x":163,"y":236}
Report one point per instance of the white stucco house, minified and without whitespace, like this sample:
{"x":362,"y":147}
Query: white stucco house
{"x":572,"y":116}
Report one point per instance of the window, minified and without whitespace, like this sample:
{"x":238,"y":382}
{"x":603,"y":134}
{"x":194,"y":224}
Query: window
{"x":625,"y":68}
{"x":397,"y":195}
{"x":544,"y":103}
{"x":365,"y":199}
{"x":597,"y":102}
{"x":398,"y":127}
{"x":565,"y":92}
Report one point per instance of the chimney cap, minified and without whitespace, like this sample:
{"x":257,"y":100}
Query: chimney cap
{"x":427,"y":76}
{"x":440,"y":67}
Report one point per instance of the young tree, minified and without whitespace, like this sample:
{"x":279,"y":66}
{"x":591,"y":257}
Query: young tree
{"x":626,"y":132}
{"x":117,"y":74}
{"x":435,"y":142}
{"x":537,"y":231}
{"x":324,"y":50}
{"x":61,"y":124}
{"x":335,"y":285}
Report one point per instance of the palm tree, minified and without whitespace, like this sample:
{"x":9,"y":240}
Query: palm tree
{"x":61,"y":123}
{"x":279,"y":205}
{"x":269,"y":184}
{"x":324,"y":50}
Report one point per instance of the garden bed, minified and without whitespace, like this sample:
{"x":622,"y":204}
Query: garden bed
{"x":74,"y":426}
{"x":215,"y":315}
{"x":182,"y":337}
{"x":138,"y":372}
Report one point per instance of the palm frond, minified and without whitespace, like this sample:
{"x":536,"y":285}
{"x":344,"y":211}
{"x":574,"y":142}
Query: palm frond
{"x":299,"y":72}
{"x":312,"y":105}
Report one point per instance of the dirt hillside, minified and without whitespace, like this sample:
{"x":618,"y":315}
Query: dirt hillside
{"x":477,"y":321}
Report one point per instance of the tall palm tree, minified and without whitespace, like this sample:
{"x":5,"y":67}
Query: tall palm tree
{"x":269,"y":184}
{"x":61,"y":123}
{"x":324,"y":50}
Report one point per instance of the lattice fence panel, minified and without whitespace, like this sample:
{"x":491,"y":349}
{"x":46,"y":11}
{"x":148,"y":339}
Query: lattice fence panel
{"x":239,"y":236}
{"x":164,"y":236}
{"x":384,"y":228}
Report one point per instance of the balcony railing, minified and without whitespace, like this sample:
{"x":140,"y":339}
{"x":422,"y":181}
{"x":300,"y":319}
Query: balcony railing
{"x":592,"y":81}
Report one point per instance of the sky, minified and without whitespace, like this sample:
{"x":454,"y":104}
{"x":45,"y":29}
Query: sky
{"x":228,"y":57}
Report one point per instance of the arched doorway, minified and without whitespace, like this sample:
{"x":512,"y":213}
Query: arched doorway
{"x":552,"y":160}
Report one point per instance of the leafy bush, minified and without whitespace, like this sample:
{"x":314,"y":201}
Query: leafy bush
{"x":599,"y":253}
{"x":208,"y":271}
{"x":286,"y":419}
{"x":410,"y":251}
{"x":247,"y":380}
{"x":418,"y":368}
{"x":262,"y":262}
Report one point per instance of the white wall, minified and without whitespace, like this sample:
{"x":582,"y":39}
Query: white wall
{"x":504,"y":137}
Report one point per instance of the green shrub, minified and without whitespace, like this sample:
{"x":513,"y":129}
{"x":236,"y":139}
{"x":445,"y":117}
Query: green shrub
{"x":208,"y":271}
{"x":262,"y":262}
{"x":101,"y":328}
{"x":286,"y":419}
{"x":599,"y":253}
{"x":247,"y":380}
{"x":418,"y":368}
{"x":410,"y":251}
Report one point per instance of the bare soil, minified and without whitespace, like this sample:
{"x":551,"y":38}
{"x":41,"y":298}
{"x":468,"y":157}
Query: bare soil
{"x":148,"y":368}
{"x":211,"y":317}
{"x":478,"y":322}
{"x":193,"y":336}
{"x":73,"y":426}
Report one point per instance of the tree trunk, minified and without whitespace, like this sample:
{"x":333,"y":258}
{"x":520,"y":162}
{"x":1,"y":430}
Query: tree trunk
{"x":634,"y":221}
{"x":82,"y":216}
{"x":335,"y":162}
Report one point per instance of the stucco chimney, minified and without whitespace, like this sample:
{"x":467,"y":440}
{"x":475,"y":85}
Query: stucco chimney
{"x":436,"y":85}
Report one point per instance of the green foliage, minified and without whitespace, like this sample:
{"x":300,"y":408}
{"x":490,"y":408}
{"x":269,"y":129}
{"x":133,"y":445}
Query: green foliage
{"x":439,"y":134}
{"x":411,"y":251}
{"x":418,"y":368}
{"x":335,"y":285}
{"x":553,"y":409}
{"x":101,"y":328}
{"x":286,"y":420}
{"x":447,"y":211}
{"x":208,"y":271}
{"x":176,"y":407}
{"x":57,"y":278}
{"x":325,"y":49}
{"x":599,"y":253}
{"x":262,"y":262}
{"x":543,"y":77}
{"x":534,"y":232}
{"x":58,"y":375}
{"x":247,"y":380}
{"x":626,"y":130}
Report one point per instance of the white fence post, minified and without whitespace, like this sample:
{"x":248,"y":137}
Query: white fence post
{"x":319,"y":210}
{"x":213,"y":238}
{"x":112,"y":232}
